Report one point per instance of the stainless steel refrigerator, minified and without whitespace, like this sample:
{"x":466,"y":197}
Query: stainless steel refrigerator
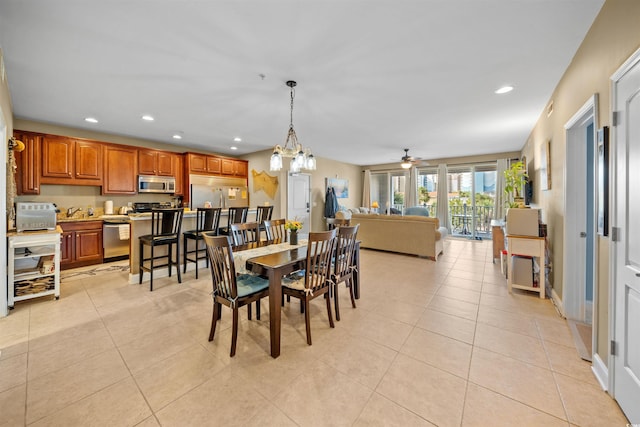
{"x":218,"y":192}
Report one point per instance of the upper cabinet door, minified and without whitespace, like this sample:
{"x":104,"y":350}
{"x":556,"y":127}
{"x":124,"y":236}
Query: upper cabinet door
{"x":120,"y":169}
{"x":29,"y":163}
{"x":165,"y":164}
{"x":213,"y":165}
{"x":57,"y":157}
{"x":88,"y":161}
{"x":147,"y":162}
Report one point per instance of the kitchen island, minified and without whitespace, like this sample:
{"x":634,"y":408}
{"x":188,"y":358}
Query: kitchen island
{"x":141,"y":225}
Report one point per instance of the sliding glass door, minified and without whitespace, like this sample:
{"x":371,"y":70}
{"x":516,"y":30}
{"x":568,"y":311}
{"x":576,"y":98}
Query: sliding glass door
{"x":472,"y":190}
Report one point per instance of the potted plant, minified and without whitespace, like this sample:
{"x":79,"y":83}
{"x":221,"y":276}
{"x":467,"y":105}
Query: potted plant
{"x":514,"y":180}
{"x":293,"y":227}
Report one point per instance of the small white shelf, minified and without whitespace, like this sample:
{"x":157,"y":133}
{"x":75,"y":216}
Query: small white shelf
{"x":25,"y":279}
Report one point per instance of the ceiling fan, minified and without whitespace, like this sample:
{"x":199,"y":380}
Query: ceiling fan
{"x":407,"y":160}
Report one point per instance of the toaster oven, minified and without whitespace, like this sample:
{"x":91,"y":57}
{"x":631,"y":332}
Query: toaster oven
{"x":35,"y":216}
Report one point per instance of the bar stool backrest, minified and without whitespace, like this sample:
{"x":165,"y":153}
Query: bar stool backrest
{"x":237,"y":215}
{"x":166,"y":222}
{"x":207,"y":219}
{"x":263,"y":213}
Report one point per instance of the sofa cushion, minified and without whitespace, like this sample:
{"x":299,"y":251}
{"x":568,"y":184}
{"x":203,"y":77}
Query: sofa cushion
{"x":417,"y":210}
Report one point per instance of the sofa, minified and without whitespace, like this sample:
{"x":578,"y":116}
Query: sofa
{"x":409,"y":234}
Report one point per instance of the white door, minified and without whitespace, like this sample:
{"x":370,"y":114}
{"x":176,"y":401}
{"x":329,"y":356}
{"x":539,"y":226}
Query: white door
{"x":626,"y":250}
{"x":299,"y":201}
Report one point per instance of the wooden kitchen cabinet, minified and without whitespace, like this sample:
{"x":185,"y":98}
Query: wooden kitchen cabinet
{"x":214,"y":165}
{"x":178,"y":168}
{"x":120,"y":169}
{"x":28,"y":163}
{"x":154,"y":162}
{"x":69,"y":161}
{"x":81,"y":244}
{"x":203,"y":164}
{"x":234,"y":167}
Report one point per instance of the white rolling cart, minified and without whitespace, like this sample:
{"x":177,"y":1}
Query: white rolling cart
{"x":33,"y":265}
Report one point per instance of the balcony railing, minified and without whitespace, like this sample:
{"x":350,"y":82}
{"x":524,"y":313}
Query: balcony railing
{"x":462,"y":218}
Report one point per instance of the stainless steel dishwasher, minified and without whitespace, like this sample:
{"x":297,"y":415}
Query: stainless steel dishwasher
{"x":115,"y":237}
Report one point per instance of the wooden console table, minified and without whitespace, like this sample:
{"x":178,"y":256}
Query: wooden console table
{"x":497,"y":237}
{"x":529,"y":246}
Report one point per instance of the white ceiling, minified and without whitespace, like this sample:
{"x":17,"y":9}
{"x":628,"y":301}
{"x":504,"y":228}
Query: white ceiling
{"x":373,"y":76}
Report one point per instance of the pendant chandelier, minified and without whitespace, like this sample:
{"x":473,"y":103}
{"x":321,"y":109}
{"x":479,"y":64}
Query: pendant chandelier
{"x":301,"y":158}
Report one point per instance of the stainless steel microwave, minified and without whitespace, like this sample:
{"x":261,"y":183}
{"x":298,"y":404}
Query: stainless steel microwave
{"x":156,"y":184}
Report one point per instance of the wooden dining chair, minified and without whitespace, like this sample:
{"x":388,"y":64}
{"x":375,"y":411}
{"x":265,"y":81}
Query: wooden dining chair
{"x":344,"y":267}
{"x":315,"y":280}
{"x":337,"y":222}
{"x":275,"y":230}
{"x":207,"y":220}
{"x":229,"y":289}
{"x":245,"y":233}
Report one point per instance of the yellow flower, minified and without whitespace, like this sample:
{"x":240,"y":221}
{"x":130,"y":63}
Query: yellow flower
{"x":293,"y":225}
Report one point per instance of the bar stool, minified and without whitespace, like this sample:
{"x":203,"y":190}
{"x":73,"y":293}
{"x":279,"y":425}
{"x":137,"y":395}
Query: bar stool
{"x":207,"y":220}
{"x":165,"y":231}
{"x":235,"y":216}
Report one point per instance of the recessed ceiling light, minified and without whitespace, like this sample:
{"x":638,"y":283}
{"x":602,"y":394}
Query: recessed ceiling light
{"x":237,"y":139}
{"x":148,"y":118}
{"x":504,"y":89}
{"x":91,"y":120}
{"x":177,"y":136}
{"x":233,"y":147}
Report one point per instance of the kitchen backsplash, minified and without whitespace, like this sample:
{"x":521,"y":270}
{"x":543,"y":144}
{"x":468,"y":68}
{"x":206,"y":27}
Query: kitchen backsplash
{"x":84,"y":197}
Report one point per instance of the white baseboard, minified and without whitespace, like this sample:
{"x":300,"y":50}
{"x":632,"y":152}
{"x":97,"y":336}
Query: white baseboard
{"x":557,"y":301}
{"x":600,"y":371}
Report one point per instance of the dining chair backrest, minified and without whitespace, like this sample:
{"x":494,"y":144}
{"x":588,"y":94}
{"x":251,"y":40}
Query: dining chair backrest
{"x":244,"y":233}
{"x":207,"y":219}
{"x":320,"y":248}
{"x":166,"y":222}
{"x":263,"y":213}
{"x":275,"y":230}
{"x":345,"y":250}
{"x":337,"y":222}
{"x":223,"y":270}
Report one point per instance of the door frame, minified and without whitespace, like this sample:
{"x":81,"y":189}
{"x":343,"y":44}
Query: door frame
{"x":573,"y":297}
{"x":3,"y":218}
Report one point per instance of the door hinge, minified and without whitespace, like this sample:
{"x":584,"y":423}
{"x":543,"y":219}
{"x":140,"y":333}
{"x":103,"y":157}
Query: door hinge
{"x":614,"y":118}
{"x":612,"y":350}
{"x":615,"y":234}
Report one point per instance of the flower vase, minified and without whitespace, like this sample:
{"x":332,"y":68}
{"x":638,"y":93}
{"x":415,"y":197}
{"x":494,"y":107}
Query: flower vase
{"x":293,"y":237}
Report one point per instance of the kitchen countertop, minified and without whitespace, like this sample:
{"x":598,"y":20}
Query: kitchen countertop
{"x":132,"y":216}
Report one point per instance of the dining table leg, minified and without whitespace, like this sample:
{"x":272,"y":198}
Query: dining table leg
{"x":275,"y":296}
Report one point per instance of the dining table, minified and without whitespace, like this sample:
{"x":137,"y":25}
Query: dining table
{"x":275,"y":261}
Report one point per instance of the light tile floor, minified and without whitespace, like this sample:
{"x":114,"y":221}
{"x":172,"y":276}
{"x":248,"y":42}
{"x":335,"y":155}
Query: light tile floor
{"x":431,"y":343}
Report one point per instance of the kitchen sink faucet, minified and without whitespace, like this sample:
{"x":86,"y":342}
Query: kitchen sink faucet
{"x":71,"y":211}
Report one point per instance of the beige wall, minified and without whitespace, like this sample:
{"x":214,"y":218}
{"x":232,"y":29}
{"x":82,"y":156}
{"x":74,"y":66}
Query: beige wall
{"x":259,"y":162}
{"x":614,"y":36}
{"x":5,"y":101}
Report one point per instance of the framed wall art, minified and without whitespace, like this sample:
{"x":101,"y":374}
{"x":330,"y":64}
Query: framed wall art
{"x":545,"y":166}
{"x":340,"y":185}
